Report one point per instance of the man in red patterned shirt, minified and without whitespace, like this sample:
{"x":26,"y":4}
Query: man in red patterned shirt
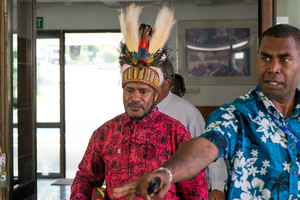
{"x":141,"y":139}
{"x":133,"y":144}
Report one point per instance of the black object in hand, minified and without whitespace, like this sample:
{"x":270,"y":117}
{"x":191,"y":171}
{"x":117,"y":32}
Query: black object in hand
{"x":154,"y":185}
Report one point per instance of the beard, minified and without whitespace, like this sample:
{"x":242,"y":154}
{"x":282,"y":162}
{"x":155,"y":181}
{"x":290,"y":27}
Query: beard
{"x":145,"y":114}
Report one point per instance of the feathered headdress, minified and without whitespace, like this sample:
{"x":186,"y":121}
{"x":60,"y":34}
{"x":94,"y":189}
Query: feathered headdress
{"x":143,"y":48}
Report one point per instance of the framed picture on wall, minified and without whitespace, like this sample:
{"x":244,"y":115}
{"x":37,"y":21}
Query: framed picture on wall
{"x":219,"y":52}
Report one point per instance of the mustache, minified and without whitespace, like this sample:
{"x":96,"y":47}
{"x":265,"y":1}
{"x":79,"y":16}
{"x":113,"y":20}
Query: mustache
{"x":135,"y":104}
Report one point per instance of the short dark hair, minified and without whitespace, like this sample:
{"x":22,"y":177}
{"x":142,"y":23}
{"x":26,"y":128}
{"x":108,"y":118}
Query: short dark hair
{"x":181,"y":80}
{"x":282,"y":31}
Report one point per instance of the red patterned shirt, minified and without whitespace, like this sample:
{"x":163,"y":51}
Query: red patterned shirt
{"x":122,"y":150}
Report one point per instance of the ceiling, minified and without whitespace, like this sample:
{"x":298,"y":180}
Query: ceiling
{"x":117,"y":3}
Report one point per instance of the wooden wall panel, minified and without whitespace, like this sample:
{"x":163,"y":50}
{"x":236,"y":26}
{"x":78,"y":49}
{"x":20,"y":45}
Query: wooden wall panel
{"x":206,"y":110}
{"x":4,"y":83}
{"x":266,"y":13}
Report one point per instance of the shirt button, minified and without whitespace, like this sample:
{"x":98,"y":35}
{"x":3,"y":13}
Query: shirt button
{"x":286,"y":123}
{"x":294,"y":172}
{"x":291,"y":147}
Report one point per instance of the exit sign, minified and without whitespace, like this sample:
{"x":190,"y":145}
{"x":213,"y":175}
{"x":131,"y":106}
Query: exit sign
{"x":40,"y":22}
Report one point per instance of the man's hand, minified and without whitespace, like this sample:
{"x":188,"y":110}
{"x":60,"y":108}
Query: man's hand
{"x":192,"y":157}
{"x":139,"y":187}
{"x":217,"y":195}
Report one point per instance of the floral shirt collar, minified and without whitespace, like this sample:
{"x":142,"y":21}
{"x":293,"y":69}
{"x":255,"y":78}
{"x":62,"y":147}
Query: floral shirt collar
{"x":270,"y":106}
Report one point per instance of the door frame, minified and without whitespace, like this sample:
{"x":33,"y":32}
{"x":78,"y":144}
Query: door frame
{"x":61,"y":124}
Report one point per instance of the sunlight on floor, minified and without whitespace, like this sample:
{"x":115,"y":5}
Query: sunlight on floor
{"x":46,"y":191}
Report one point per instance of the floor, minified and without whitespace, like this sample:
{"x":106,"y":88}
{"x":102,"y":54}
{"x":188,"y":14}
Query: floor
{"x":46,"y":191}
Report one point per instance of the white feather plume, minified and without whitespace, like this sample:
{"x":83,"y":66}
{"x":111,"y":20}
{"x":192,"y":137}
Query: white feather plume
{"x":129,"y":24}
{"x":160,"y":75}
{"x":124,"y":67}
{"x":163,"y":26}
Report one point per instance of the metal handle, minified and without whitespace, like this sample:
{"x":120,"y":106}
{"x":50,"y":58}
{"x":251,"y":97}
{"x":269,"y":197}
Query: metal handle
{"x":154,"y":185}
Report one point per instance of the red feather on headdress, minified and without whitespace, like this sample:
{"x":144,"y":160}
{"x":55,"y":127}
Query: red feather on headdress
{"x":144,"y":46}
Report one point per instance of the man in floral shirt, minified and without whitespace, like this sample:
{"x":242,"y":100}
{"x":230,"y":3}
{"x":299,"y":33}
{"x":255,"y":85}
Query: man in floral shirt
{"x":258,"y":132}
{"x":140,"y":140}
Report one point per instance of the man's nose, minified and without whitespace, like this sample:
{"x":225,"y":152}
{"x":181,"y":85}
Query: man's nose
{"x":275,"y":67}
{"x":136,"y":96}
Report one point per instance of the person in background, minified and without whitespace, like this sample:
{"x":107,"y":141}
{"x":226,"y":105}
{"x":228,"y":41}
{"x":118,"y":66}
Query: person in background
{"x":141,"y":139}
{"x":176,"y":107}
{"x":187,"y":113}
{"x":258,"y":132}
{"x":178,"y":86}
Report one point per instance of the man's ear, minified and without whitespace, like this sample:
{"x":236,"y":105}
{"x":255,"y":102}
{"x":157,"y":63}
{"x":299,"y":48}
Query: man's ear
{"x":168,"y":81}
{"x":156,"y":96}
{"x":183,"y":92}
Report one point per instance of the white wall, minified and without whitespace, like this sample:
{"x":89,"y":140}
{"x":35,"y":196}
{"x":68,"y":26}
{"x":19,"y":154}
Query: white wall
{"x":97,"y":16}
{"x":290,"y":10}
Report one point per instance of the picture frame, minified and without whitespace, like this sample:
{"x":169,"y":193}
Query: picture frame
{"x":217,"y":52}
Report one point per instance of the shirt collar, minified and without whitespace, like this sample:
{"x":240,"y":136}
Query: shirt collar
{"x":148,"y":119}
{"x":270,"y":106}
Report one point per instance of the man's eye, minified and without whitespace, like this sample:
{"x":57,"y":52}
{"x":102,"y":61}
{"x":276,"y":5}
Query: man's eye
{"x":266,"y":59}
{"x":285,"y":59}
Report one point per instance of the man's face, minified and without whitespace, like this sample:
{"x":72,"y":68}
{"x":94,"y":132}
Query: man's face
{"x":278,"y":68}
{"x":163,"y":90}
{"x":138,"y":99}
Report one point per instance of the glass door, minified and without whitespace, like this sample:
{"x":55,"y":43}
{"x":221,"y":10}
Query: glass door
{"x":78,"y":89}
{"x":93,"y":89}
{"x":50,"y":126}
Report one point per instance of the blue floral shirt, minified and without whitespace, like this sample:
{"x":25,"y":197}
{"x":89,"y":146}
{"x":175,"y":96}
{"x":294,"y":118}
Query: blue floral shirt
{"x":263,"y":160}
